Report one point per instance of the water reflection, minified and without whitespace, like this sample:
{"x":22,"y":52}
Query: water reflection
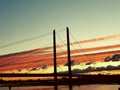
{"x":82,"y":87}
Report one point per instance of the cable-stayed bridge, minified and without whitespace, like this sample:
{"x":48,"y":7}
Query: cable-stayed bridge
{"x":36,"y":57}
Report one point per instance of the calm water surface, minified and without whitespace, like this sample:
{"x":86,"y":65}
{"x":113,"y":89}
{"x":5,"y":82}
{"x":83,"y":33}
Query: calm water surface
{"x":82,"y":87}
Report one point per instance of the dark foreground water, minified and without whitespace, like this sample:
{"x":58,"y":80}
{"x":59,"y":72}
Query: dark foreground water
{"x":82,"y":87}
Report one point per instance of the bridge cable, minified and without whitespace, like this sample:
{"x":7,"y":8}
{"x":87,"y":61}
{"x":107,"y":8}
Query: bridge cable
{"x":26,"y":40}
{"x":79,"y":45}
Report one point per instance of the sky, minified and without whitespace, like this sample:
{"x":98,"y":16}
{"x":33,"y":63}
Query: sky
{"x":24,"y":19}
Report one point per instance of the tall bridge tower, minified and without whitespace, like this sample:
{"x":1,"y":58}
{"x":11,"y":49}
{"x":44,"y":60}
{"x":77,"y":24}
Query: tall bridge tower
{"x":68,"y":57}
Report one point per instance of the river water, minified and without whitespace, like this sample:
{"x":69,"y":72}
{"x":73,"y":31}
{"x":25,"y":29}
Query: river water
{"x":82,"y":87}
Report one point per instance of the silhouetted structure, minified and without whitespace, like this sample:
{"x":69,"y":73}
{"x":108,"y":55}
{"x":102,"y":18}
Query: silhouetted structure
{"x":55,"y":61}
{"x":67,"y":80}
{"x":10,"y":87}
{"x":68,"y":51}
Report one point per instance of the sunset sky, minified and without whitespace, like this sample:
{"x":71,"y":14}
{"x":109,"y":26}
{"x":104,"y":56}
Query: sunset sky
{"x":24,"y":19}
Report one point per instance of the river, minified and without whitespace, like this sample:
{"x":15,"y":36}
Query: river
{"x":82,"y":87}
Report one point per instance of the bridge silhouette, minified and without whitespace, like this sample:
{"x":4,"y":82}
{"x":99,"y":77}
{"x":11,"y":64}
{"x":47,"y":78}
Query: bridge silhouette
{"x":59,"y":78}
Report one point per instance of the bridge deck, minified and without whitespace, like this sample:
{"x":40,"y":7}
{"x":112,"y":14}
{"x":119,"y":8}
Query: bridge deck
{"x":64,"y":80}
